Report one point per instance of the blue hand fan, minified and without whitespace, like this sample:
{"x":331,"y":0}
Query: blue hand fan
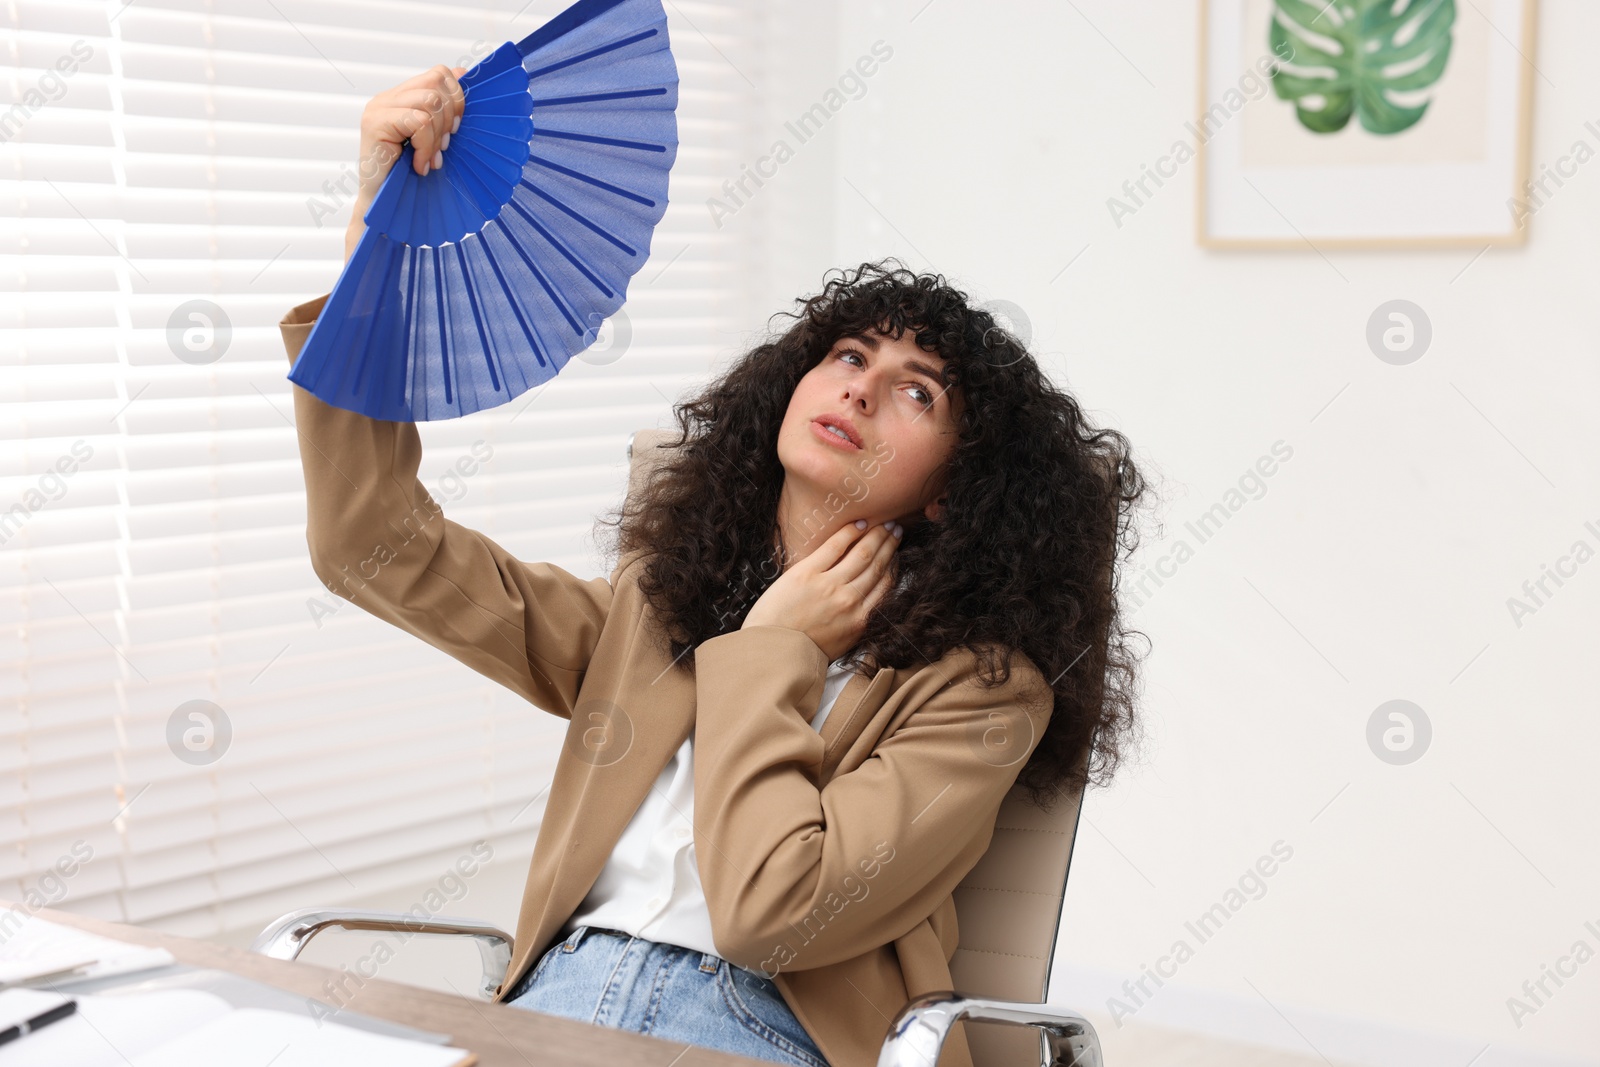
{"x":481,"y":279}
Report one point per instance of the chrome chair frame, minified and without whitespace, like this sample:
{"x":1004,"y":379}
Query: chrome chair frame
{"x":286,"y":936}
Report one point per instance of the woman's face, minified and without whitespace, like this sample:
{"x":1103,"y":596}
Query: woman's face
{"x":903,"y":420}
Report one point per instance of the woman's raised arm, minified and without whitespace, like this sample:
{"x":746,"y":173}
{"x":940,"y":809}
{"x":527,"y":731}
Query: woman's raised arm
{"x":377,"y":537}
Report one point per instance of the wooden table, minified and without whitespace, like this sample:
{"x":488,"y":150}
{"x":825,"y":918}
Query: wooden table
{"x":502,"y":1036}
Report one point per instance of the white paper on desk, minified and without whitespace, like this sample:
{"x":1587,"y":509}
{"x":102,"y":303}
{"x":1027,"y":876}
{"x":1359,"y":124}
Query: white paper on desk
{"x":256,"y":1037}
{"x":32,"y":946}
{"x":190,"y":1028}
{"x":106,"y":1031}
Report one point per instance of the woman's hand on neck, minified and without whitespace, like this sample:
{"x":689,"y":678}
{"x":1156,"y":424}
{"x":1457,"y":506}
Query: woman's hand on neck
{"x":806,"y":518}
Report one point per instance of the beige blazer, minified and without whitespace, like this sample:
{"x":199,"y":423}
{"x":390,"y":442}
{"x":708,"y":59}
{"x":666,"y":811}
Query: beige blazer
{"x":828,"y":860}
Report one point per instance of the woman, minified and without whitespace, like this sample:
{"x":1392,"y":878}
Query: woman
{"x":867,"y":593}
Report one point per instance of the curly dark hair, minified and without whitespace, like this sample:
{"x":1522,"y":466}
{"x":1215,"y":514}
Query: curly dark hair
{"x":1038,"y":503}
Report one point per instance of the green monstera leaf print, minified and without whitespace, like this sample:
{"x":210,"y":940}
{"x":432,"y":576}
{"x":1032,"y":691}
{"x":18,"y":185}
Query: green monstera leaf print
{"x":1377,"y":47}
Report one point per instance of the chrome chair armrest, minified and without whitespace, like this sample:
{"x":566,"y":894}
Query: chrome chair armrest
{"x":918,"y":1032}
{"x":284,"y":937}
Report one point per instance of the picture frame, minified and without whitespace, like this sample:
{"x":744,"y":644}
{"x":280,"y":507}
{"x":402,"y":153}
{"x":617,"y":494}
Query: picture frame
{"x":1268,"y":180}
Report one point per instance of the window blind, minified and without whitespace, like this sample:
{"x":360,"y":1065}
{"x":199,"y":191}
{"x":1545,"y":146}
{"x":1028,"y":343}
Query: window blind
{"x":196,"y":735}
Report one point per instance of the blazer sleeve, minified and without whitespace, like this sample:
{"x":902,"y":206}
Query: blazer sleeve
{"x":378,"y":539}
{"x":796,"y":876}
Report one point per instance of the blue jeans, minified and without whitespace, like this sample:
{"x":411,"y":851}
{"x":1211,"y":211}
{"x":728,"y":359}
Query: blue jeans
{"x":613,"y":979}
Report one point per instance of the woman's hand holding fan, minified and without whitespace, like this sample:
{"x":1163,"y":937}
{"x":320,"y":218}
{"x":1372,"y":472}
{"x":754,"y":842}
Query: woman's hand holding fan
{"x":424,"y":110}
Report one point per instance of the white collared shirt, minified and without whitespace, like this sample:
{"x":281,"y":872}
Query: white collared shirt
{"x":650,"y":887}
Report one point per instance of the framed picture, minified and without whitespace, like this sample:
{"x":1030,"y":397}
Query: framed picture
{"x":1423,"y":144}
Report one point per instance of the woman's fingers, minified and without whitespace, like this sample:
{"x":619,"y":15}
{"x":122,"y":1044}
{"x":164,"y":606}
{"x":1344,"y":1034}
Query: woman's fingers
{"x":446,"y":81}
{"x":395,"y":125}
{"x":427,"y":141}
{"x":437,"y":98}
{"x":875,"y":567}
{"x":416,"y":114}
{"x":448,"y":119}
{"x":826,"y":555}
{"x":880,"y":588}
{"x":857,"y":559}
{"x":854,"y":568}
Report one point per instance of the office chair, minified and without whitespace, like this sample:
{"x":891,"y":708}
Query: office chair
{"x":1008,"y":907}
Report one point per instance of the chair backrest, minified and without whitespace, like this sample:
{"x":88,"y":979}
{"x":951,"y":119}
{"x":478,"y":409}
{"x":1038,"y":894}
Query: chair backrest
{"x":1008,"y":907}
{"x":643,"y":454}
{"x":1008,"y":910}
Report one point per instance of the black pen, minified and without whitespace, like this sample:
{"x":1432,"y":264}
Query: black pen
{"x":27,"y":1026}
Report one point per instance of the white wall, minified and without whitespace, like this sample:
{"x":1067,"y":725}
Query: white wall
{"x":1376,"y":565}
